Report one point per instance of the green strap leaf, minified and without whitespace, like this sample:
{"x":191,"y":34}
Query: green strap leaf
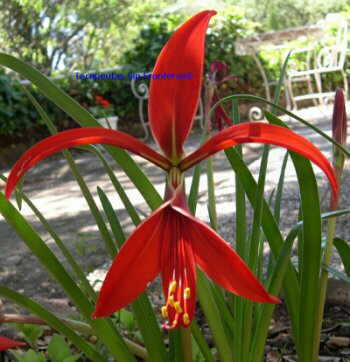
{"x":103,"y":327}
{"x":310,"y":263}
{"x":344,"y":252}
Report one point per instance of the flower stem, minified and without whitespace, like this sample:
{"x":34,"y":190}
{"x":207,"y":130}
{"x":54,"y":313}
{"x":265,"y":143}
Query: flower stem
{"x":323,"y":282}
{"x":186,"y":342}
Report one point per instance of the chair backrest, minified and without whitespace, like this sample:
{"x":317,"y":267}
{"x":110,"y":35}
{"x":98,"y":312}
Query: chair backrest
{"x":333,"y":54}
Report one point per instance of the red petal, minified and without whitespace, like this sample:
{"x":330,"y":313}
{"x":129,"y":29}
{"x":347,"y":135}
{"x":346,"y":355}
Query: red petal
{"x":178,"y":264}
{"x":221,"y":263}
{"x":77,"y":137}
{"x":137,"y":263}
{"x":6,"y":343}
{"x":262,"y":133}
{"x":173,"y":102}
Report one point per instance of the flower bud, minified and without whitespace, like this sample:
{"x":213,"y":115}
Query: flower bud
{"x":339,"y":133}
{"x":339,"y":129}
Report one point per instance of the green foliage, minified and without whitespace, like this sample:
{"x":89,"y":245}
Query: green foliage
{"x":59,"y":351}
{"x":344,"y":252}
{"x":149,"y":42}
{"x":29,"y":356}
{"x":15,"y":116}
{"x":30,"y":332}
{"x":282,"y":14}
{"x":221,"y":38}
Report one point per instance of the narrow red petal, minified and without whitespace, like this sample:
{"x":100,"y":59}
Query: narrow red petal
{"x":263,"y":133}
{"x":223,"y":265}
{"x":78,"y":137}
{"x":137,"y":263}
{"x":6,"y":343}
{"x":173,"y":102}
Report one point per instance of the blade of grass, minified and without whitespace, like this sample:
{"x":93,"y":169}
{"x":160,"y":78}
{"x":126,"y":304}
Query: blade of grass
{"x":310,"y":265}
{"x":270,"y":229}
{"x":274,"y":285}
{"x":66,"y":253}
{"x":241,"y":245}
{"x":175,"y":346}
{"x":211,"y":195}
{"x":118,"y":187}
{"x":193,"y":196}
{"x":201,"y":342}
{"x":113,"y":220}
{"x":212,"y":313}
{"x":254,"y":250}
{"x":279,"y":192}
{"x":264,"y":313}
{"x":53,"y":322}
{"x":343,"y":249}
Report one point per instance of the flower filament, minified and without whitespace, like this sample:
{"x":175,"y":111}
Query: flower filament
{"x":176,"y":310}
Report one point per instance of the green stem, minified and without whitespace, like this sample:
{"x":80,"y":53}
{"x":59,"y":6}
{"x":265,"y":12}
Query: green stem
{"x":212,"y":313}
{"x":331,"y":223}
{"x":211,"y":195}
{"x":186,"y":342}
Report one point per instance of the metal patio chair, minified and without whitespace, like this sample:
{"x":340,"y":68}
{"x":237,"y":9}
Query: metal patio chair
{"x":326,"y":57}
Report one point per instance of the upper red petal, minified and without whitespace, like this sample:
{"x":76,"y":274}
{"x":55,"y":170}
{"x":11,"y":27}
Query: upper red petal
{"x":6,"y":343}
{"x":263,"y":133}
{"x":173,"y":102}
{"x":76,"y":137}
{"x":137,"y":263}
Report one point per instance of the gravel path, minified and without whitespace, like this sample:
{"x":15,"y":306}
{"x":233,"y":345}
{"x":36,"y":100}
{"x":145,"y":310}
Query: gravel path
{"x":51,"y":187}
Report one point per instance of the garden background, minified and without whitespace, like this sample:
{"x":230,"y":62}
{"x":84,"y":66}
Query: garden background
{"x":62,"y":37}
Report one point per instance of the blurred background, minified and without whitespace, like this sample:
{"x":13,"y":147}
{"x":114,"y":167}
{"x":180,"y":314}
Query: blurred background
{"x":61,"y":37}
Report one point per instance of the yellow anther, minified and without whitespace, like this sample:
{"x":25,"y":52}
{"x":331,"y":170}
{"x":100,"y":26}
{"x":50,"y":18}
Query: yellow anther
{"x":186,"y":319}
{"x":164,"y":312}
{"x":172,"y":286}
{"x":187,"y":293}
{"x":177,"y":307}
{"x":171,"y":300}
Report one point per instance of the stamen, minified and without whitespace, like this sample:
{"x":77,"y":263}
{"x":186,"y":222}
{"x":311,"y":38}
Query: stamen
{"x":187,"y":293}
{"x":186,"y":319}
{"x":177,"y":307}
{"x":171,"y":300}
{"x":164,"y":312}
{"x":172,"y":287}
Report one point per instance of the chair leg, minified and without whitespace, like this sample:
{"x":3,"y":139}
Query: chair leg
{"x":345,"y":84}
{"x":311,"y":89}
{"x":287,"y":96}
{"x":291,"y":94}
{"x":319,"y":87}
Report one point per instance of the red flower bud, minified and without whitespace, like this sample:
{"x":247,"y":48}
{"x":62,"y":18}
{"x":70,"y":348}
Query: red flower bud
{"x":339,"y":121}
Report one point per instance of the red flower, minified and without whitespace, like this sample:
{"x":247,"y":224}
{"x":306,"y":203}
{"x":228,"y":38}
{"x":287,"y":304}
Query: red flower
{"x":6,"y":343}
{"x":220,"y":115}
{"x":102,"y":101}
{"x":218,"y":75}
{"x":171,"y":241}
